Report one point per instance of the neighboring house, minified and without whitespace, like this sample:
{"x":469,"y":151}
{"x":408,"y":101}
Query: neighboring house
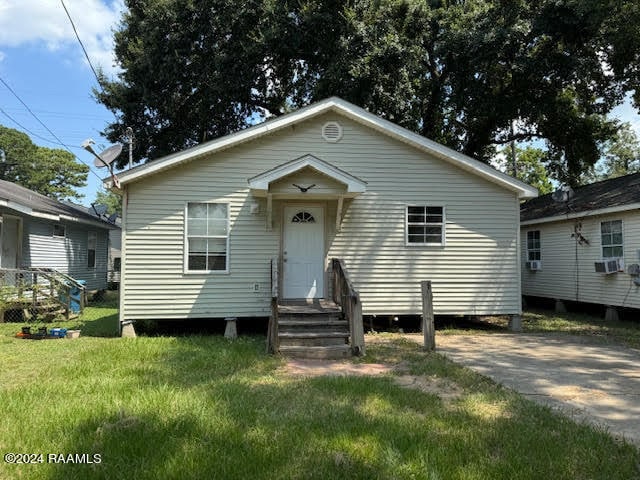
{"x":585,"y":247}
{"x":113,"y":259}
{"x":37,"y":231}
{"x":328,"y":181}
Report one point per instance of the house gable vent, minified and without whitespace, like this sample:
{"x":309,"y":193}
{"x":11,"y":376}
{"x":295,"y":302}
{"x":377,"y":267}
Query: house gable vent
{"x":332,"y":132}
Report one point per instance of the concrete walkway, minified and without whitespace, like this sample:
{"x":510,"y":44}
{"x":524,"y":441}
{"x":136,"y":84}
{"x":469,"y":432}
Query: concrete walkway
{"x":592,"y":382}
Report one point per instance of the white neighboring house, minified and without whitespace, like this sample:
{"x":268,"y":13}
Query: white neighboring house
{"x":328,"y":181}
{"x":585,"y":249}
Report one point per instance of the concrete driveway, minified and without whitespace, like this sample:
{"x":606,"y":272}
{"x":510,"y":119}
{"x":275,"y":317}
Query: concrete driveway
{"x":593,"y":382}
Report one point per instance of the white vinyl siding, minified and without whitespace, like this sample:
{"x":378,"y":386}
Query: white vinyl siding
{"x":569,"y":270}
{"x":207,"y":237}
{"x":611,"y":236}
{"x":477,"y":272}
{"x":425,"y":225}
{"x":533,"y":245}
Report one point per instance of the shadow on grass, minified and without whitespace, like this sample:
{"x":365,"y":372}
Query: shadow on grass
{"x":104,"y":324}
{"x":207,"y":408}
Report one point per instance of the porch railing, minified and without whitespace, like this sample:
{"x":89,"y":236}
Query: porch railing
{"x":345,"y":295}
{"x":33,"y":288}
{"x":272,"y":331}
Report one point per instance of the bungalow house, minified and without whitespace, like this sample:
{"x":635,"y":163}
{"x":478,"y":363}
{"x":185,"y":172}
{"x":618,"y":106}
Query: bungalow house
{"x":284,"y":208}
{"x":39,"y":232}
{"x":583,"y":245}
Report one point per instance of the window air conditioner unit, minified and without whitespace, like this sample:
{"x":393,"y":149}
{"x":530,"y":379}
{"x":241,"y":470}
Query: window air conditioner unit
{"x":534,"y":265}
{"x":611,"y":265}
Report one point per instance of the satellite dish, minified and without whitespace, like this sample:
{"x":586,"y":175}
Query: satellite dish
{"x":100,"y":209}
{"x":108,"y":155}
{"x":113,"y":217}
{"x":563,"y":194}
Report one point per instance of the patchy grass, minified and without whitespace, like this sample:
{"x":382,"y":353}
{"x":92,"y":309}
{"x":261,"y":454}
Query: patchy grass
{"x":623,"y":332}
{"x":203,"y":407}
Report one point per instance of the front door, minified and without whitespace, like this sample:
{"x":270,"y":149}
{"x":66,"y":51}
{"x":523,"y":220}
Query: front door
{"x":303,"y":252}
{"x":9,"y":241}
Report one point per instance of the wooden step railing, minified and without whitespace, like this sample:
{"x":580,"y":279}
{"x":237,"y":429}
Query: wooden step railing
{"x":33,"y":287}
{"x":273,"y":345}
{"x":345,"y":295}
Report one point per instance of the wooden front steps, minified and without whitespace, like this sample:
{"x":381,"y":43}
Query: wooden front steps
{"x":312,"y":329}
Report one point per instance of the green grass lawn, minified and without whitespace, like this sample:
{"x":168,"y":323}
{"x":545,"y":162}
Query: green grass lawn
{"x":99,"y":319}
{"x":203,"y":407}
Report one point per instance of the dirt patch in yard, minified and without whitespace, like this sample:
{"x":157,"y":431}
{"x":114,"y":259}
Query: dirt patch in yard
{"x":444,"y":389}
{"x":321,"y":368}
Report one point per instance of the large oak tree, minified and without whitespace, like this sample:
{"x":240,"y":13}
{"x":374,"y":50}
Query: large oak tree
{"x":457,"y":71}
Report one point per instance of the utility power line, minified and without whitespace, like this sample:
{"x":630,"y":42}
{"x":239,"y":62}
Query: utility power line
{"x":30,"y":132}
{"x":45,"y":127}
{"x":95,"y":74}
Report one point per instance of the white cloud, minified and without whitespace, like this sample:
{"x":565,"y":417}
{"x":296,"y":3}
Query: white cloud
{"x":2,"y":55}
{"x":38,"y":22}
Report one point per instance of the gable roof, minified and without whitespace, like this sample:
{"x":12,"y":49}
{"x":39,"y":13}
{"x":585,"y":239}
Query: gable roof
{"x":34,"y":204}
{"x":348,"y":110}
{"x":606,"y":196}
{"x":260,"y":183}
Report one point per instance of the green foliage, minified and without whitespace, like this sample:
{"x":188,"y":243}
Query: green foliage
{"x":456,"y":72}
{"x":113,"y":201}
{"x":50,"y":171}
{"x":530,"y":166}
{"x":621,"y":154}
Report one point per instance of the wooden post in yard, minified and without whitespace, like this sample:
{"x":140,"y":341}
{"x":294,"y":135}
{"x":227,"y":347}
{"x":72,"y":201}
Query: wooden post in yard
{"x":428,"y":328}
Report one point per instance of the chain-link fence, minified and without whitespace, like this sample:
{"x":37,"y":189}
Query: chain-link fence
{"x":42,"y":301}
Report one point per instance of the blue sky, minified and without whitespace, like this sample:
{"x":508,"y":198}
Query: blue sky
{"x":41,"y":60}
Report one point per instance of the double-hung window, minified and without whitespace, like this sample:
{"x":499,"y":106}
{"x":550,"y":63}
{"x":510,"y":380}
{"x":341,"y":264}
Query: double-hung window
{"x":425,"y":225}
{"x":92,"y":243}
{"x":207,"y":237}
{"x":533,"y":245}
{"x":612,"y":242}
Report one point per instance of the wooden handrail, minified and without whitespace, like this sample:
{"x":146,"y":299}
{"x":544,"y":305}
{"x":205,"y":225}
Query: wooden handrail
{"x":345,"y":295}
{"x":272,"y":331}
{"x":34,"y":279}
{"x":66,"y":280}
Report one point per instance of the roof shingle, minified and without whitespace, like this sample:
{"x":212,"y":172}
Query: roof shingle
{"x":613,"y":192}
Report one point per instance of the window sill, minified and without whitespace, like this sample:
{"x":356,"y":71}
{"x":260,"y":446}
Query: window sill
{"x":424,"y":244}
{"x":206,"y":272}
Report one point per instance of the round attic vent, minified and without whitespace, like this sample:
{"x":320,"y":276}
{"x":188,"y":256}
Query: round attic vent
{"x":332,"y":132}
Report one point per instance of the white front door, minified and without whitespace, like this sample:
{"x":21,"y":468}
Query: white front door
{"x":303,"y":252}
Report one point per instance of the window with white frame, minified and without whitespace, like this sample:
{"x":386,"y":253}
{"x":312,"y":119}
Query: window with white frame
{"x":612,"y":242}
{"x":92,"y":242}
{"x":207,"y":237}
{"x":533,"y":245}
{"x":425,"y":225}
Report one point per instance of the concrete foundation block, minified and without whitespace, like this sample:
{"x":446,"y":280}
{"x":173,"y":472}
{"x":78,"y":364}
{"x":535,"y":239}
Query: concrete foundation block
{"x":515,"y":323}
{"x":127,"y":330}
{"x":611,"y":314}
{"x":231,"y":330}
{"x":560,"y":307}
